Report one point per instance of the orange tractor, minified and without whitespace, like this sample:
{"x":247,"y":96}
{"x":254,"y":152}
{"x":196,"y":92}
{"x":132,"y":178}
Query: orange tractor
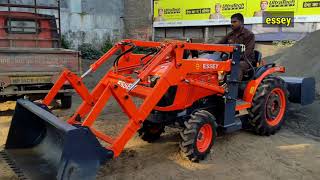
{"x":201,"y":95}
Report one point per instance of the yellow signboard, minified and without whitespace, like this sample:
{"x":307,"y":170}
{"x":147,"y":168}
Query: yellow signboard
{"x":218,"y":11}
{"x":308,"y":7}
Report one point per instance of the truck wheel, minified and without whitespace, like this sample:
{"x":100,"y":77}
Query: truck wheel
{"x":199,"y":135}
{"x":66,"y":102}
{"x":150,"y":132}
{"x":269,"y":106}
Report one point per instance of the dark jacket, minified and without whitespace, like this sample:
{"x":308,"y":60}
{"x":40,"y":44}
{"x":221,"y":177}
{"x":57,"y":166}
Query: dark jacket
{"x":245,"y":37}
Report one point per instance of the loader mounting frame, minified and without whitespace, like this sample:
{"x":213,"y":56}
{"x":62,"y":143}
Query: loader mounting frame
{"x":123,"y":88}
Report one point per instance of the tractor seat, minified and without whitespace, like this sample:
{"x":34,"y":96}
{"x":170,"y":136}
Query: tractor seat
{"x":257,"y":58}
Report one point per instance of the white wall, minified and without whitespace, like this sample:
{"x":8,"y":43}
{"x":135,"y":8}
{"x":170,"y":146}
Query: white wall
{"x":92,"y":21}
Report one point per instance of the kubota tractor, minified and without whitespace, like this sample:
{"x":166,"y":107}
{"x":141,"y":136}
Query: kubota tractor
{"x":202,"y":96}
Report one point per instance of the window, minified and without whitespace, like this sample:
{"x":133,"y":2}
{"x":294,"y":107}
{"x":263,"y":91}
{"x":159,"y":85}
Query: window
{"x":22,"y":26}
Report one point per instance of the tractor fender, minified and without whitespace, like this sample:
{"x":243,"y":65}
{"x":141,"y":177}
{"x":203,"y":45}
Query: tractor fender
{"x":252,"y":86}
{"x":260,"y":70}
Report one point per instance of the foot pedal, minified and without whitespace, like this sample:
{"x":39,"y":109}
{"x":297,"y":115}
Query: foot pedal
{"x":242,"y":113}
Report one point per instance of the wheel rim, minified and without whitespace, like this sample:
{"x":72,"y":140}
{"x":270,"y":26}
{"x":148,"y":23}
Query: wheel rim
{"x":204,"y":137}
{"x":275,"y":106}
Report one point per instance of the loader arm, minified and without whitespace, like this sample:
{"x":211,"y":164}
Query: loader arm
{"x":118,"y":85}
{"x":128,"y":79}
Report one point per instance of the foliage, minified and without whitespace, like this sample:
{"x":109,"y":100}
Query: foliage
{"x":286,"y":43}
{"x":106,"y":46}
{"x":88,"y":51}
{"x":65,"y":43}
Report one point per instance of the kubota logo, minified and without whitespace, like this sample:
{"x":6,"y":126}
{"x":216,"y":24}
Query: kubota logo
{"x":124,"y":85}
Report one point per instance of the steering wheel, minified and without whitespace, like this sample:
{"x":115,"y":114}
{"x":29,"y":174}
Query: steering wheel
{"x":224,"y":56}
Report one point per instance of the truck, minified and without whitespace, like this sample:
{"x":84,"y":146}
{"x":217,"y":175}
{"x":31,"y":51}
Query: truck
{"x":31,"y":55}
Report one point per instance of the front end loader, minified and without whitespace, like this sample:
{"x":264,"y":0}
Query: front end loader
{"x":201,"y":96}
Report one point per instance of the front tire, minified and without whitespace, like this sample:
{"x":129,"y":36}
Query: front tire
{"x":151,"y":132}
{"x":269,"y":106}
{"x":198,"y":136}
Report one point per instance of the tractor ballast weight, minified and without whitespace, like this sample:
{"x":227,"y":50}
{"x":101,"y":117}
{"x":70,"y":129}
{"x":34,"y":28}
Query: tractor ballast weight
{"x":181,"y":90}
{"x":302,"y":90}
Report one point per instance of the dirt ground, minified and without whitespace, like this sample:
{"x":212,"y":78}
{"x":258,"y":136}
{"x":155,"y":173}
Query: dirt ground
{"x":293,"y":153}
{"x":240,"y":155}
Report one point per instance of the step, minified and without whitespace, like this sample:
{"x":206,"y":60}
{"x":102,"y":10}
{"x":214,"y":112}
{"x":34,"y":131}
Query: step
{"x":242,"y":105}
{"x":237,"y":125}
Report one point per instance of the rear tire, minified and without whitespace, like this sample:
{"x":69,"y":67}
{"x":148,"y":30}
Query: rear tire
{"x":66,"y":102}
{"x":269,"y":106}
{"x":199,"y":135}
{"x":150,"y":131}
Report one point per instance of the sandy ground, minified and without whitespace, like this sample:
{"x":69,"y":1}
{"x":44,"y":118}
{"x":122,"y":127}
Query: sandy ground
{"x":5,"y":117}
{"x":240,"y":155}
{"x":290,"y":154}
{"x":269,"y":49}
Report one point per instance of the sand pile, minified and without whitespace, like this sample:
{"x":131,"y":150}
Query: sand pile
{"x":303,"y":59}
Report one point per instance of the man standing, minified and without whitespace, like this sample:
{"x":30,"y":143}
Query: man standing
{"x":160,"y":16}
{"x":263,"y":7}
{"x":241,"y":35}
{"x":217,"y":14}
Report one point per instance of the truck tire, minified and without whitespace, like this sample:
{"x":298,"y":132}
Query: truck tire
{"x":269,"y":106}
{"x":150,"y":132}
{"x":198,"y":136}
{"x":66,"y":102}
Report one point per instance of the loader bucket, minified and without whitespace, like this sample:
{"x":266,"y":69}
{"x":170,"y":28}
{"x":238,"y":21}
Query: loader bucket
{"x":41,"y":146}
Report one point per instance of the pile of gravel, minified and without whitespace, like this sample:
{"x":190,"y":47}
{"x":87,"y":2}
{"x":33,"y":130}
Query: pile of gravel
{"x":302,"y":59}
